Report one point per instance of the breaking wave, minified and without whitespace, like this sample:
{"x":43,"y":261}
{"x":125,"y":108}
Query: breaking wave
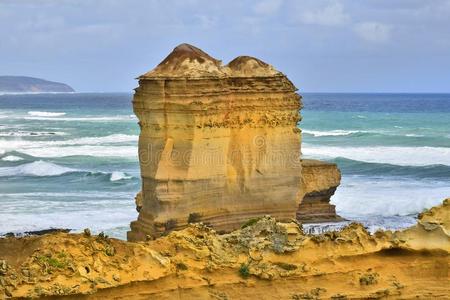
{"x":91,"y":146}
{"x":32,"y":133}
{"x":46,"y":114}
{"x":85,"y":119}
{"x":338,"y":132}
{"x":42,"y":168}
{"x":402,"y":156}
{"x":12,"y":158}
{"x":116,"y":176}
{"x":330,"y":133}
{"x":36,"y":168}
{"x":354,"y":167}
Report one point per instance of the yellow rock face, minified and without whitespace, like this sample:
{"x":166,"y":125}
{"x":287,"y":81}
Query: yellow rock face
{"x":265,"y":259}
{"x":218,"y":144}
{"x":319,"y":182}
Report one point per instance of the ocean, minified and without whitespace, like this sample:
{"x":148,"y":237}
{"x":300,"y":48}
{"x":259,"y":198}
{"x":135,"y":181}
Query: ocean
{"x":70,"y":160}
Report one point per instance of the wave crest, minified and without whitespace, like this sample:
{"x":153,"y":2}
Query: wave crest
{"x":36,"y":168}
{"x":116,"y":176}
{"x":46,"y":114}
{"x":402,"y":156}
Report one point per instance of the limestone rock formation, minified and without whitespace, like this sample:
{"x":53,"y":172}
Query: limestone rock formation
{"x":266,"y":259}
{"x":320,"y":180}
{"x":218,"y":144}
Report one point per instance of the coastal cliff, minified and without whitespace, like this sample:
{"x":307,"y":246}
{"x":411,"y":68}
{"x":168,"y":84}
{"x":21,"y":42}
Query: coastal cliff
{"x":218,"y":144}
{"x":265,"y":259}
{"x":23,"y":84}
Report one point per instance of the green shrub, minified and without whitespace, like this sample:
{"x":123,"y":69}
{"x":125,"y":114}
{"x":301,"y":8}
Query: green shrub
{"x":53,"y":262}
{"x":244,"y":271}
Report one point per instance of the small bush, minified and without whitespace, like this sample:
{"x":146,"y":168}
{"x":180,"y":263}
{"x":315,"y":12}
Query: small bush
{"x":53,"y":262}
{"x":194,"y":217}
{"x":368,"y":279}
{"x":102,"y":236}
{"x":244,"y":271}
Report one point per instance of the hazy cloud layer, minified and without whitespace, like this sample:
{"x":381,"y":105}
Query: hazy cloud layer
{"x":322,"y":45}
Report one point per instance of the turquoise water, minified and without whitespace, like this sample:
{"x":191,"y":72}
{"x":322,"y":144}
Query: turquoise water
{"x":70,"y":160}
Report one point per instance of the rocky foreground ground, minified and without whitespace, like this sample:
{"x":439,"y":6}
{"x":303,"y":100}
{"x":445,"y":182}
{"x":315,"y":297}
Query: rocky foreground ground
{"x":264,"y":259}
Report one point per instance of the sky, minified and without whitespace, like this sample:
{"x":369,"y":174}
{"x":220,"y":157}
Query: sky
{"x":321,"y":45}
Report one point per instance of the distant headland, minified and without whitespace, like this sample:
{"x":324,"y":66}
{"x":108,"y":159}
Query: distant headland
{"x":23,"y":84}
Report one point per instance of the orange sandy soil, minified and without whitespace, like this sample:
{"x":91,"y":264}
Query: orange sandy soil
{"x":263,"y":260}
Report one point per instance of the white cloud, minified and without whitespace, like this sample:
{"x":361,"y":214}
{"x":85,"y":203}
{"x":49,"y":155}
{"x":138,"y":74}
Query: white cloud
{"x":330,"y":15}
{"x":373,"y":31}
{"x":268,"y":7}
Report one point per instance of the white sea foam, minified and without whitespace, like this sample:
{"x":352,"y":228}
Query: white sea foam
{"x":414,"y":135}
{"x":402,"y":156}
{"x":33,"y":211}
{"x":363,"y":196}
{"x":87,"y":150}
{"x":12,"y":158}
{"x":32,"y":133}
{"x":83,"y":119}
{"x":46,"y":114}
{"x":36,"y":168}
{"x":116,"y":176}
{"x":339,"y":132}
{"x":331,"y":132}
{"x":92,"y":146}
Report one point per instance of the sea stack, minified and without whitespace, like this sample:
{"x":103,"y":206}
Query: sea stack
{"x":218,"y":144}
{"x":320,"y":181}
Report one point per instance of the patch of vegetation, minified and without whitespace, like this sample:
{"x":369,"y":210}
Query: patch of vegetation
{"x":194,"y":217}
{"x":181,"y":266}
{"x":368,"y":279}
{"x":250,"y":222}
{"x":244,"y":271}
{"x":102,"y":236}
{"x":286,"y":266}
{"x":170,"y":224}
{"x":60,"y":261}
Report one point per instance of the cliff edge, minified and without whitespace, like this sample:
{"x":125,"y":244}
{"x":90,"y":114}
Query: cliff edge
{"x":264,"y":259}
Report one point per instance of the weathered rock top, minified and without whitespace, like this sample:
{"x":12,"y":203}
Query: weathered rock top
{"x":189,"y":61}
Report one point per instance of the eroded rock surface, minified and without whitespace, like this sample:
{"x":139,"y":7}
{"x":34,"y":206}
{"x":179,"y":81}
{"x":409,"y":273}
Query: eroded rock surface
{"x":265,"y":259}
{"x":320,"y":180}
{"x":218,"y":144}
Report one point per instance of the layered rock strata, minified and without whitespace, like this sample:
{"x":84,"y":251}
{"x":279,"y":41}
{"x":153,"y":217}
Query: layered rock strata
{"x":266,"y":260}
{"x":320,"y":180}
{"x":218,"y":144}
